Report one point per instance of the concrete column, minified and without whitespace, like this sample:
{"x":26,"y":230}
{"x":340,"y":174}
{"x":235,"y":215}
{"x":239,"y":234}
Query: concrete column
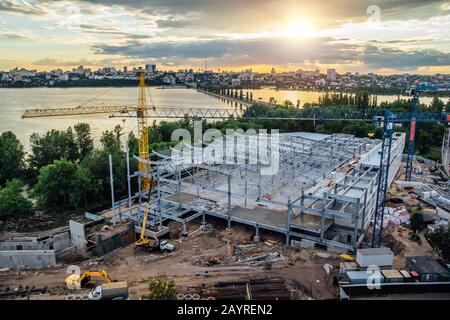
{"x":245,"y":193}
{"x":355,"y":232}
{"x":256,"y":238}
{"x":322,"y":218}
{"x":185,"y":232}
{"x":364,"y":212}
{"x":288,"y":226}
{"x":302,"y":201}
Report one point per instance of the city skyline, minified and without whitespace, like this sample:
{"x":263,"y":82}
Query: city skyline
{"x":387,"y":37}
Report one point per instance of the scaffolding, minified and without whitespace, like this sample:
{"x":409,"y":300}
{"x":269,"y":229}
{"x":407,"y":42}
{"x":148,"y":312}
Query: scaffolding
{"x":323,"y":191}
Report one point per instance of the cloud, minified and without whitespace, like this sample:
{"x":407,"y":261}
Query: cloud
{"x":22,"y":7}
{"x":280,"y":52}
{"x":403,"y":59}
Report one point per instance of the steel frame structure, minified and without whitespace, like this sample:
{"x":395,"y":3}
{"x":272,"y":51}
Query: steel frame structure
{"x":385,"y":118}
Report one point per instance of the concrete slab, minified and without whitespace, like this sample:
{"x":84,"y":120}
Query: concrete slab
{"x":185,"y":198}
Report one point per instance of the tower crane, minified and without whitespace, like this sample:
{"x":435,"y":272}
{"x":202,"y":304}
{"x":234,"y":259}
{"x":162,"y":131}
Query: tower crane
{"x":140,"y":112}
{"x":414,"y":92}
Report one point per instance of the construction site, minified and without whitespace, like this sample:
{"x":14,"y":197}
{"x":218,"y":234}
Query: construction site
{"x":247,"y":215}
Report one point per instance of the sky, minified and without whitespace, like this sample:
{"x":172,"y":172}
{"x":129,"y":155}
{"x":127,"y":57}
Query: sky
{"x":382,"y":36}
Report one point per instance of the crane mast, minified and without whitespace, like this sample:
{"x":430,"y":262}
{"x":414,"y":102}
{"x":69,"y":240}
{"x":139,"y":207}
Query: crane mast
{"x":143,"y":133}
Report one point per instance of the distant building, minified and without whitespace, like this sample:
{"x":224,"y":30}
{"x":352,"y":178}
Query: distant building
{"x":150,"y":69}
{"x":331,"y":74}
{"x":125,"y":69}
{"x":236,"y":82}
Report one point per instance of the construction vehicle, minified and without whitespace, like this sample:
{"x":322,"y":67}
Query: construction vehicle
{"x":110,"y":291}
{"x":78,"y":281}
{"x":347,"y":257}
{"x":166,"y":246}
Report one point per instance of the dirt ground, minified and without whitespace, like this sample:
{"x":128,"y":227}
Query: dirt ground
{"x":185,"y":267}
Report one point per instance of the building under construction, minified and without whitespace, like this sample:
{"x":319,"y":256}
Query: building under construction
{"x":321,"y":193}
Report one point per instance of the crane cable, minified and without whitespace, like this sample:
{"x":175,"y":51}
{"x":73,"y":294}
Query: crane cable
{"x":95,"y":97}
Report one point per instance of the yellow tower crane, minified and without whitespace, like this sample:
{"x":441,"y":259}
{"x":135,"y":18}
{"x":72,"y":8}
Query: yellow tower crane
{"x":143,"y":133}
{"x":140,"y":110}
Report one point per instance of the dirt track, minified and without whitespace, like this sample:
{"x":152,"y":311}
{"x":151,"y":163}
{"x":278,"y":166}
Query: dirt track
{"x":183,"y":267}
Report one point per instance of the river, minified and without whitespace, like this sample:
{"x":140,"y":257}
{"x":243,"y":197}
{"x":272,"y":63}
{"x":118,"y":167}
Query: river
{"x":13,"y":102}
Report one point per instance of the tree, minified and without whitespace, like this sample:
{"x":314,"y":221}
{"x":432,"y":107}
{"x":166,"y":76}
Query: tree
{"x":54,"y":145}
{"x":97,"y":163}
{"x":63,"y":185}
{"x":416,"y":221}
{"x":12,"y":157}
{"x":162,"y":289}
{"x":84,"y":141}
{"x":12,"y":203}
{"x":440,"y":242}
{"x":437,"y":105}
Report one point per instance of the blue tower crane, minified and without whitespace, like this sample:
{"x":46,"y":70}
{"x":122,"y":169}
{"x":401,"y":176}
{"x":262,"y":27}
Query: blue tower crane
{"x":415,"y":103}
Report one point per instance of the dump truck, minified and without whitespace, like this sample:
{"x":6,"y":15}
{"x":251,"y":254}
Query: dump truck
{"x":110,"y":291}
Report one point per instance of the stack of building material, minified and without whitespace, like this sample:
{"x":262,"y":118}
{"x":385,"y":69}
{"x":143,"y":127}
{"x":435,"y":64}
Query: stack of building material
{"x":395,"y":216}
{"x":391,"y":275}
{"x":344,"y":267}
{"x":269,"y":289}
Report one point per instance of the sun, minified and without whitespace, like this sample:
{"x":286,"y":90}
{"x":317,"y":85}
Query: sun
{"x":298,"y":29}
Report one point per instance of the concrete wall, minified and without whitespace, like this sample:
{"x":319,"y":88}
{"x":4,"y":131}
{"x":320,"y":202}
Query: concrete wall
{"x":30,"y":258}
{"x":78,"y":236}
{"x":120,"y":239}
{"x":61,"y":241}
{"x":58,"y":242}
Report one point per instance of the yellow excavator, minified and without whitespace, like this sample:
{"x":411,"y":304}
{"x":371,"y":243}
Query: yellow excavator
{"x":347,"y":257}
{"x":80,"y":281}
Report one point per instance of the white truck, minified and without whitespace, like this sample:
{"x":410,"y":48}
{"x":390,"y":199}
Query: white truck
{"x":166,"y":246}
{"x":110,"y":291}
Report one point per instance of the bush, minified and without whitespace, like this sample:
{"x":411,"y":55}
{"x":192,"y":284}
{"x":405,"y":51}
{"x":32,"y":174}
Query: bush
{"x":440,"y":242}
{"x":162,"y":289}
{"x":12,"y":203}
{"x":416,"y":221}
{"x":63,"y":185}
{"x":416,"y":238}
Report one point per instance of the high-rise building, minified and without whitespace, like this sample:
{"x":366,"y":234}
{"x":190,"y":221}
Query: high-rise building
{"x":331,"y":74}
{"x":125,"y":69}
{"x":150,"y":69}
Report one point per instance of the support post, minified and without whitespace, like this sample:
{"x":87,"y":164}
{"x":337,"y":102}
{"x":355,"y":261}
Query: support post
{"x":179,"y":186}
{"x":355,"y":232}
{"x":229,"y":201}
{"x":128,"y":177}
{"x":111,"y":181}
{"x":322,"y":218}
{"x":158,"y":194}
{"x":256,"y":238}
{"x":288,"y":226}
